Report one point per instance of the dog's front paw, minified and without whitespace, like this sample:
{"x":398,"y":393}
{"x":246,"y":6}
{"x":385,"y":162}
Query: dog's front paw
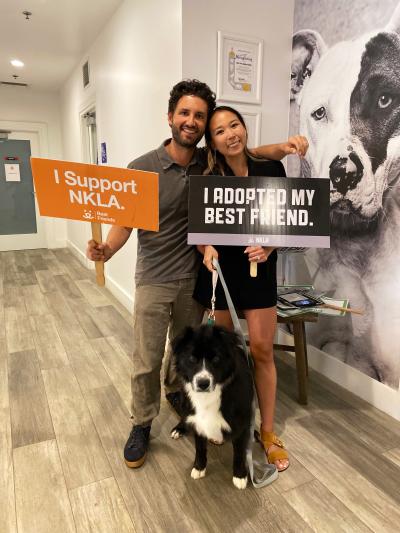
{"x":175,"y":434}
{"x":240,"y":482}
{"x":197,"y":474}
{"x":178,"y":431}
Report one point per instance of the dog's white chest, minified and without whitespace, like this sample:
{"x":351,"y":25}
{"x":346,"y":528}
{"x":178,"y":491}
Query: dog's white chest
{"x":207,"y":419}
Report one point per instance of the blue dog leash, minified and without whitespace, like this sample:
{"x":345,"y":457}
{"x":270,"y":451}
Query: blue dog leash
{"x":261,"y":474}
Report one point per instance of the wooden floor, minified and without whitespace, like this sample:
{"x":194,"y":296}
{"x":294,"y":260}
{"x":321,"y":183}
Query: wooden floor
{"x":64,"y":419}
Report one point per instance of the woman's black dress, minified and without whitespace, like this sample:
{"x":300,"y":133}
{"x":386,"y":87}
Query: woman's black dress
{"x":246,"y":292}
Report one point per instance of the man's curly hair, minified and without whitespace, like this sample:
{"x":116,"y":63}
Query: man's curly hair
{"x":191,"y":88}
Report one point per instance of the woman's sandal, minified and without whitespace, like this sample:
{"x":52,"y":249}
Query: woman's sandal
{"x":268,"y":439}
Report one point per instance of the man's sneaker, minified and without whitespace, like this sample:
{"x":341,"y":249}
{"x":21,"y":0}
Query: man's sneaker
{"x":136,"y":446}
{"x":175,"y":400}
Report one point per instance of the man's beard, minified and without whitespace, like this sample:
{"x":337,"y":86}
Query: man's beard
{"x":178,"y":138}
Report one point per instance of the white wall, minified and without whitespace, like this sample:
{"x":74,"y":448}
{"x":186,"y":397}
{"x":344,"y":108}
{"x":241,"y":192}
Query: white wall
{"x":25,"y":105}
{"x":271,"y":21}
{"x":133,"y":63}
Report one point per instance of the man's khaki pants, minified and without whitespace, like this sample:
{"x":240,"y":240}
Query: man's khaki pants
{"x":161,"y":310}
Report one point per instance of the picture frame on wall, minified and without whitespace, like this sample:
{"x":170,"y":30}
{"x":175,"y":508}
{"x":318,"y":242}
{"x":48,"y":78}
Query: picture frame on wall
{"x":239,"y":68}
{"x":252,"y":120}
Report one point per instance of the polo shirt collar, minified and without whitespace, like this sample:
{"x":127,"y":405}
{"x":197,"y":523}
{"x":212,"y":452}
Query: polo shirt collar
{"x":166,"y":160}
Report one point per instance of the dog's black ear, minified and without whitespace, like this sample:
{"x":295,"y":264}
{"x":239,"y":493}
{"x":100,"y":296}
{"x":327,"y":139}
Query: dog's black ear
{"x":230,"y":338}
{"x":234,"y":343}
{"x":181,"y":340}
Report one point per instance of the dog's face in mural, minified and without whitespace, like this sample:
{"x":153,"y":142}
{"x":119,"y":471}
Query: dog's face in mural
{"x":350,"y":112}
{"x":349,"y":108}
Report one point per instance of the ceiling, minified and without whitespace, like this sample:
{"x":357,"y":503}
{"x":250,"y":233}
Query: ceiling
{"x":53,"y":41}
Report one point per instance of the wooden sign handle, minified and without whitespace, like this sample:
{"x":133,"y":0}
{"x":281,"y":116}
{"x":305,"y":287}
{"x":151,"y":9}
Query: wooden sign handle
{"x":99,"y":265}
{"x":253,"y":269}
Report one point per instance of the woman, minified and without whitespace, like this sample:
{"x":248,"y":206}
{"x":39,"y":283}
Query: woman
{"x":226,"y":138}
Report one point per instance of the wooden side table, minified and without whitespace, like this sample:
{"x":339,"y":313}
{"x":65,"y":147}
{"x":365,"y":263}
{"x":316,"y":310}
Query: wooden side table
{"x":299,"y":348}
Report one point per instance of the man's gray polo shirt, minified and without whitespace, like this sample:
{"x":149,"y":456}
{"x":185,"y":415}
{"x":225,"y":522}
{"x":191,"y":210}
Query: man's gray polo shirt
{"x":165,"y":255}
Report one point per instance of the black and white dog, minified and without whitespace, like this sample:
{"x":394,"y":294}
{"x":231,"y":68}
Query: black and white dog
{"x":349,"y":108}
{"x":218,"y":387}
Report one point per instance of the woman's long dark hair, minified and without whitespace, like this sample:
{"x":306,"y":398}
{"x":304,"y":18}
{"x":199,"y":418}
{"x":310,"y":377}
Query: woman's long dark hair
{"x":216,"y":163}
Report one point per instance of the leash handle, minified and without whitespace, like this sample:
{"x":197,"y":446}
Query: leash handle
{"x":261,"y":474}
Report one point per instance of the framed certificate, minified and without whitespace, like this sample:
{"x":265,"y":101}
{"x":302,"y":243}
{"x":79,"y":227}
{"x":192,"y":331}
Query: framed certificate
{"x":239,"y":66}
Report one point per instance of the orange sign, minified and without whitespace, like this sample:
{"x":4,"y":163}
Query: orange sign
{"x":95,"y":193}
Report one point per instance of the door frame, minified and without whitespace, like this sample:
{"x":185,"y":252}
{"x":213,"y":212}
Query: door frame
{"x":40,"y":128}
{"x":90,"y":105}
{"x":35,"y":127}
{"x":86,"y":106}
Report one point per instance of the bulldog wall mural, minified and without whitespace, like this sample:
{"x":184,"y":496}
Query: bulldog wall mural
{"x":345,"y":97}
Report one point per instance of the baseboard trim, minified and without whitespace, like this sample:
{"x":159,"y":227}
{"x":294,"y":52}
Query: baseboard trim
{"x":115,"y":288}
{"x":121,"y":295}
{"x":80,"y":255}
{"x":377,"y":394}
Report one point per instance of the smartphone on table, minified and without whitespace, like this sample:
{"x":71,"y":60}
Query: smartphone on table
{"x":297,"y":299}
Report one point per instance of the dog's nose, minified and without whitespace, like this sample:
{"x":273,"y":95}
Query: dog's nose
{"x":346,"y":172}
{"x":203,"y":384}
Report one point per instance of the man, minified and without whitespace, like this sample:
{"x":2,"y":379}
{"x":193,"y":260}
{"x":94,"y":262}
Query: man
{"x":166,"y":267}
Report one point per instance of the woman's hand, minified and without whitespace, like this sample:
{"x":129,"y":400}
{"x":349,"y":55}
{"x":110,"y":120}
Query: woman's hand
{"x":258,"y":254}
{"x":297,"y":144}
{"x":209,"y":253}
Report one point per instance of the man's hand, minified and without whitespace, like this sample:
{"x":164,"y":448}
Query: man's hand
{"x":98,"y":252}
{"x":297,"y":144}
{"x":116,"y":238}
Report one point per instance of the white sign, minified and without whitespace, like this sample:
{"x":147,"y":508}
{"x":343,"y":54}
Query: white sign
{"x":12,"y":172}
